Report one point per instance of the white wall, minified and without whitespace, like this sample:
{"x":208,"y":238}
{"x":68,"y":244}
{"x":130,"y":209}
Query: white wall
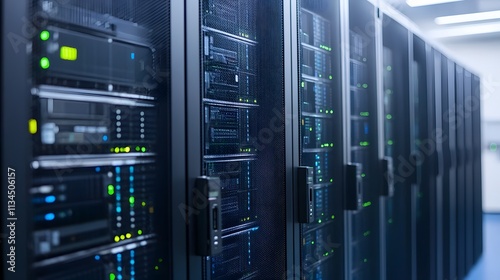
{"x":483,"y":57}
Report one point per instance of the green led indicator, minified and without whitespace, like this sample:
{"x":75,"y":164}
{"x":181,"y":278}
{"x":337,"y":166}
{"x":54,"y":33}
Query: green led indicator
{"x":310,"y":129}
{"x":143,"y":149}
{"x":111,"y":189}
{"x":388,"y":116}
{"x":390,"y":221}
{"x":331,"y":180}
{"x":143,"y":204}
{"x":363,"y":175}
{"x":389,"y":68}
{"x":330,"y":77}
{"x":137,"y":148}
{"x":112,"y":276}
{"x":160,"y":260}
{"x":44,"y":35}
{"x":139,"y":232}
{"x":333,"y":217}
{"x":364,"y":114}
{"x":302,"y":84}
{"x":364,"y":144}
{"x":366,"y":233}
{"x":312,"y":242}
{"x":131,"y":200}
{"x":493,"y":147}
{"x":44,"y":63}
{"x":365,"y":85}
{"x":366,"y":204}
{"x":365,"y":260}
{"x":319,"y":221}
{"x":390,"y":142}
{"x":156,"y":267}
{"x":331,"y":111}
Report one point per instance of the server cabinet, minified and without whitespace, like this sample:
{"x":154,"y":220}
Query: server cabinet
{"x":396,"y":188}
{"x":475,"y":106}
{"x":438,"y":192}
{"x":89,"y":80}
{"x":320,"y":107}
{"x":449,"y":172}
{"x":424,"y":156}
{"x":362,"y":187}
{"x":460,"y":147}
{"x":469,"y":160}
{"x":236,"y":139}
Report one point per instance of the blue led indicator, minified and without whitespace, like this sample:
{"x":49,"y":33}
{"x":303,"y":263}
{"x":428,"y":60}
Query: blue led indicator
{"x":132,"y":261}
{"x":131,"y":168}
{"x":119,"y":277}
{"x":97,"y":169}
{"x":118,"y":209}
{"x":119,"y":268}
{"x":118,"y":179}
{"x":105,"y":138}
{"x":117,"y":169}
{"x":97,"y":257}
{"x":131,"y":178}
{"x":131,"y":190}
{"x":132,"y":272}
{"x":50,"y":199}
{"x":50,"y":216}
{"x":118,"y":187}
{"x":132,"y":55}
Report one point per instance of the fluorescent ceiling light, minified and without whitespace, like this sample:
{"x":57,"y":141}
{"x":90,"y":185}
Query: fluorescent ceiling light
{"x":418,"y":3}
{"x":465,"y":30}
{"x":468,"y":17}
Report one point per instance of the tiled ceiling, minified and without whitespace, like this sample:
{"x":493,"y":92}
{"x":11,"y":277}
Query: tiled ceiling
{"x":424,"y":17}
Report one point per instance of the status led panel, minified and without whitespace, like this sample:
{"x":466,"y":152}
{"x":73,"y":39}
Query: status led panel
{"x":95,"y":92}
{"x":241,"y":92}
{"x":363,"y":249}
{"x":398,"y":217}
{"x":320,"y":131}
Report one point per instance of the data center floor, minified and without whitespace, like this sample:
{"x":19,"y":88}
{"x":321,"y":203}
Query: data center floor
{"x":488,"y":267}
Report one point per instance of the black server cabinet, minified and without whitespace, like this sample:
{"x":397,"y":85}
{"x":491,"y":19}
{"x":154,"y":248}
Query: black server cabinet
{"x":396,"y":188}
{"x":236,"y":139}
{"x":90,"y":78}
{"x":424,"y":156}
{"x":475,"y":106}
{"x":362,"y":186}
{"x":449,"y":172}
{"x":460,"y":152}
{"x":320,"y":107}
{"x":466,"y":111}
{"x":439,"y":165}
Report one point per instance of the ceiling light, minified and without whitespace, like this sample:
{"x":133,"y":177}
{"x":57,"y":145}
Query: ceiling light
{"x":468,"y":17}
{"x":418,"y":3}
{"x":465,"y":30}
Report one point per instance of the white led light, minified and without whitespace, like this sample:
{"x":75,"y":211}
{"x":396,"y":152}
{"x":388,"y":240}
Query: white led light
{"x":468,"y":17}
{"x":465,"y":30}
{"x":419,"y":3}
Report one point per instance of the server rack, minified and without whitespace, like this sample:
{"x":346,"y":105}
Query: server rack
{"x":477,"y":184}
{"x":397,"y":194}
{"x":236,"y":107}
{"x":362,"y":187}
{"x":460,"y":137}
{"x":423,"y":155}
{"x":449,"y":172}
{"x":436,"y":133}
{"x":469,"y":180}
{"x":320,"y":107}
{"x":89,"y":80}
